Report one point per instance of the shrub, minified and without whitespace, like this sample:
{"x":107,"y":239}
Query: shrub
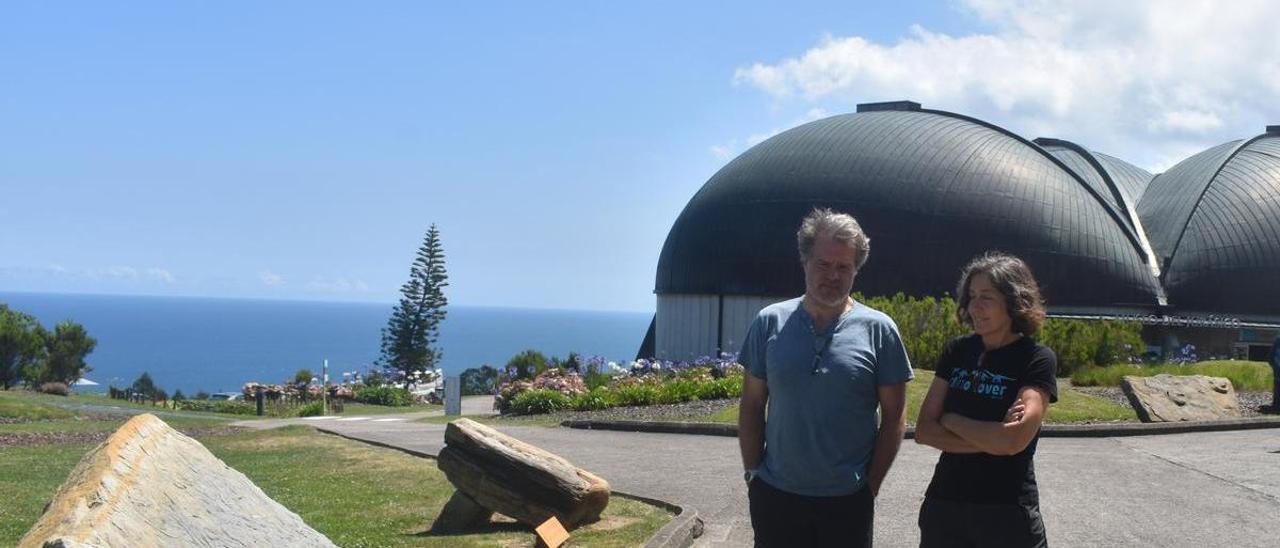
{"x":678,"y":391}
{"x":634,"y":394}
{"x":537,"y":401}
{"x":1091,"y":343}
{"x":526,"y":365}
{"x":223,"y":406}
{"x":596,"y":379}
{"x":1244,"y":375}
{"x":384,"y":395}
{"x":926,"y":324}
{"x":557,"y":380}
{"x":720,"y":389}
{"x":313,"y":409}
{"x":55,"y":388}
{"x":594,"y":400}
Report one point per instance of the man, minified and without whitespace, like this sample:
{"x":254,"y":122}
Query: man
{"x":1274,"y":359}
{"x":821,"y":364}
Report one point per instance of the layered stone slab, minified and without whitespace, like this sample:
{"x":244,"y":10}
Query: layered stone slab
{"x":1169,"y":398}
{"x":150,"y":485}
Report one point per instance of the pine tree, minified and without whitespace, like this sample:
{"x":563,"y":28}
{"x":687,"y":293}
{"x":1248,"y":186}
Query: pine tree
{"x":409,"y":340}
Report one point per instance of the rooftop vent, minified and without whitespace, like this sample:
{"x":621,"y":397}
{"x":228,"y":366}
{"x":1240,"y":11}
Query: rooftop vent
{"x":889,"y":105}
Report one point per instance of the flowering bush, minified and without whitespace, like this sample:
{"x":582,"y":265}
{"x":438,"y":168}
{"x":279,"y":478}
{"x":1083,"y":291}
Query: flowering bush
{"x":567,"y":384}
{"x":606,"y":384}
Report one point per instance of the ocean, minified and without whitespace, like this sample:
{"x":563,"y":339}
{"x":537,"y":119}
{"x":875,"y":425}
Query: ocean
{"x":217,"y":345}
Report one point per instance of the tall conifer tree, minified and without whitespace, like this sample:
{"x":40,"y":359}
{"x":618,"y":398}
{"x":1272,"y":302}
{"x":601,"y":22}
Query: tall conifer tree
{"x":409,"y":340}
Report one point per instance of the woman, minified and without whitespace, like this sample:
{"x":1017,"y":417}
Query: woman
{"x":984,"y":410}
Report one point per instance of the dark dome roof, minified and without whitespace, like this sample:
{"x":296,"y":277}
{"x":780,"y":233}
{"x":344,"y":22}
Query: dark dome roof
{"x":932,"y":189}
{"x":1119,"y":183}
{"x":1214,"y":220}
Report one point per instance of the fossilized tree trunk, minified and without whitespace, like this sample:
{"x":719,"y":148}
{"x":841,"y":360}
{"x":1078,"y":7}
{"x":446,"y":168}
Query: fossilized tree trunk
{"x":505,"y":475}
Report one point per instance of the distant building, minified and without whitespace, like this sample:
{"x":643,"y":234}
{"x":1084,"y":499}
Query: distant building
{"x":932,"y":189}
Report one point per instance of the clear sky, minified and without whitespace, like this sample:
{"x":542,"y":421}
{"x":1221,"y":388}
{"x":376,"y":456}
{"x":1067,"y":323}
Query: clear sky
{"x":299,"y":150}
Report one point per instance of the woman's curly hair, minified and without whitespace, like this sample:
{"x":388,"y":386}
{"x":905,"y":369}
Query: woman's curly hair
{"x":1012,"y":277}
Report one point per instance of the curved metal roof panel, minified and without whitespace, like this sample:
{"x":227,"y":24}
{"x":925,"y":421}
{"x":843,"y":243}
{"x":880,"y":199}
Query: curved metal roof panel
{"x":1169,"y":200}
{"x":1227,"y":259}
{"x":932,"y":190}
{"x":1094,"y":174}
{"x":1132,"y":180}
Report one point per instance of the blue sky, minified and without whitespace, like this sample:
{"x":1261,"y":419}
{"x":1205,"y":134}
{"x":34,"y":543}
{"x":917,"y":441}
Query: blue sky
{"x":299,"y":150}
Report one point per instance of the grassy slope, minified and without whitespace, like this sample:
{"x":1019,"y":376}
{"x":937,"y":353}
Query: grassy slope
{"x":356,"y":494}
{"x":1244,"y":375}
{"x":16,"y":404}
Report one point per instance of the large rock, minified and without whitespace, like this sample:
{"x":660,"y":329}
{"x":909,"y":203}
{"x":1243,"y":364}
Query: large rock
{"x":149,"y":485}
{"x":1168,"y":398}
{"x":500,"y":473}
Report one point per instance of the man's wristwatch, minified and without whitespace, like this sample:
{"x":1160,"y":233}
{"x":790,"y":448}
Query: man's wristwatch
{"x":748,"y":476}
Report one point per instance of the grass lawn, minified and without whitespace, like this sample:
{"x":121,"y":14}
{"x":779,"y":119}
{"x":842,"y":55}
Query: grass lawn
{"x":19,"y":405}
{"x":356,"y":408}
{"x":89,"y":398}
{"x":357,"y":495}
{"x":1244,"y":375}
{"x":1072,"y":406}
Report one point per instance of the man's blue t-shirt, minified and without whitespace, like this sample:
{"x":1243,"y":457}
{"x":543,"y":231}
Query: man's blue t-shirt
{"x":822,"y":423}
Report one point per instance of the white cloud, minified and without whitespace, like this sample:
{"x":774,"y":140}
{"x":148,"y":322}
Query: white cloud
{"x":160,"y":274}
{"x":337,"y":285}
{"x":1133,"y":79}
{"x":114,"y":273}
{"x":270,"y":278}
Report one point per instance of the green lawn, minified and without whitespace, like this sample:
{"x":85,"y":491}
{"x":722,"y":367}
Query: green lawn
{"x":1072,"y":406}
{"x":1244,"y":375}
{"x":356,"y":494}
{"x":22,"y":405}
{"x":356,"y":408}
{"x":11,"y":398}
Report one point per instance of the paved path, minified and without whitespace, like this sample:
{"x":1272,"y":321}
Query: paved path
{"x":471,"y":406}
{"x":1194,"y":490}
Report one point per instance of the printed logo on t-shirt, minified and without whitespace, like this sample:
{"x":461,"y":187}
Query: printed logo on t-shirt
{"x":981,"y":382}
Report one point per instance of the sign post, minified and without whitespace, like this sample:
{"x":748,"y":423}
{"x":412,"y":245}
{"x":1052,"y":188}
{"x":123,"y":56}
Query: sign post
{"x":453,"y":395}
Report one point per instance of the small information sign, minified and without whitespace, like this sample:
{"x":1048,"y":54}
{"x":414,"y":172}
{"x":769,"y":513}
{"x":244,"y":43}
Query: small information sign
{"x":551,"y":533}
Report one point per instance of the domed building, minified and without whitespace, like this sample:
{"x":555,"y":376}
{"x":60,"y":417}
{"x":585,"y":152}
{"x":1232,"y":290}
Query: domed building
{"x":1214,"y":221}
{"x":933,"y":189}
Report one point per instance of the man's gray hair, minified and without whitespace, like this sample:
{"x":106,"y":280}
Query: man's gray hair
{"x":841,"y":226}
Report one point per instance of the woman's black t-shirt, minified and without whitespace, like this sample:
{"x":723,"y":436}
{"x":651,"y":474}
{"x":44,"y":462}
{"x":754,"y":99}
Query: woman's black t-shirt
{"x":982,"y":386}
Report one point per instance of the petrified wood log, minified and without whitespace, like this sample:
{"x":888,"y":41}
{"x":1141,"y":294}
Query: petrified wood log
{"x":519,"y":480}
{"x":149,"y":485}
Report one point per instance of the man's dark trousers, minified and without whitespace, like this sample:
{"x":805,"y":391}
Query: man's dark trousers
{"x":783,"y":519}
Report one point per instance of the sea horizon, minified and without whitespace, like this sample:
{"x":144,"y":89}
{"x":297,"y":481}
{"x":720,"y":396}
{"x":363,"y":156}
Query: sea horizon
{"x":216,"y":344}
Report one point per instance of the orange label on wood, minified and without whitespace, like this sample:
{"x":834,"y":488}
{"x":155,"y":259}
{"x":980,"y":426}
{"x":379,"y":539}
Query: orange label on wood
{"x":551,"y":533}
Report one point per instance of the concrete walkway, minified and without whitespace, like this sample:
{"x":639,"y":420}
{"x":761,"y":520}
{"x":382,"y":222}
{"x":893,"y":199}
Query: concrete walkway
{"x":1194,"y":490}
